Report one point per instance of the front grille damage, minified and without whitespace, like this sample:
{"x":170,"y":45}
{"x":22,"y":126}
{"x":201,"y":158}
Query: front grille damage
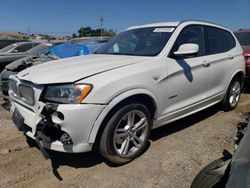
{"x":47,"y":131}
{"x":22,"y":91}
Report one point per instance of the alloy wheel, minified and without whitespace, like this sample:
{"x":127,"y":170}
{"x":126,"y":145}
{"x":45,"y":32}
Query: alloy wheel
{"x":234,"y":94}
{"x":130,"y":133}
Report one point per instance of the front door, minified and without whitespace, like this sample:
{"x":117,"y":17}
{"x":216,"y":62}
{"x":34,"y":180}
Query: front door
{"x":188,"y":77}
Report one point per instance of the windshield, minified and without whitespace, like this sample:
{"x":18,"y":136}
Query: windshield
{"x":243,"y":38}
{"x":7,"y":48}
{"x":51,"y":55}
{"x":141,"y":42}
{"x":41,"y":48}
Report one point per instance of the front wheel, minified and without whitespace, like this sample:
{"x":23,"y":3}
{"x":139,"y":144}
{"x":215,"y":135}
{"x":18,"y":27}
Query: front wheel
{"x":232,"y":96}
{"x":126,"y":134}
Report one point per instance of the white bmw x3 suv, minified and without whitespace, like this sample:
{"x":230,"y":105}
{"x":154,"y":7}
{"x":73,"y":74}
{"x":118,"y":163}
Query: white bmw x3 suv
{"x":143,"y":78}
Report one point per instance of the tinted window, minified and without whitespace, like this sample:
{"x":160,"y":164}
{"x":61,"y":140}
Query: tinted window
{"x":190,"y":34}
{"x":6,"y":42}
{"x":219,"y":40}
{"x":41,"y":48}
{"x":229,"y":41}
{"x":7,"y":48}
{"x":215,"y":41}
{"x":25,"y":47}
{"x":141,"y":41}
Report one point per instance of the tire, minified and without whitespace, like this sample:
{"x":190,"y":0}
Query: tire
{"x":126,"y":134}
{"x":232,"y":96}
{"x":208,"y":177}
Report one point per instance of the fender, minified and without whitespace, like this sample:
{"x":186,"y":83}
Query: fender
{"x":112,"y":104}
{"x":229,"y":80}
{"x":233,"y":75}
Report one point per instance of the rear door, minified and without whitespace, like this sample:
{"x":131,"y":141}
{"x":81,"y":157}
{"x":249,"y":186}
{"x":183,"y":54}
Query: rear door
{"x":219,"y":50}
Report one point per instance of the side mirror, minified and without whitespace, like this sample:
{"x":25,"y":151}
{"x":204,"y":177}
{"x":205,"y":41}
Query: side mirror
{"x":14,"y":51}
{"x":187,"y":50}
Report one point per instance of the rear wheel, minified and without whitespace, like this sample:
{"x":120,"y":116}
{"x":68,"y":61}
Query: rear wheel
{"x":126,"y":134}
{"x":232,"y":96}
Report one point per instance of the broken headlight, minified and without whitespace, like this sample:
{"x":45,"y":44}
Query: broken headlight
{"x":67,"y":94}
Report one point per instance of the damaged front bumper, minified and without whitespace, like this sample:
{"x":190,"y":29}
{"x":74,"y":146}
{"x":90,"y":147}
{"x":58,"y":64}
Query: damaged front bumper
{"x":4,"y":83}
{"x":58,"y":127}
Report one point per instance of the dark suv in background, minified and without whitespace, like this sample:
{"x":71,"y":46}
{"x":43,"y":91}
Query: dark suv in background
{"x":243,"y":36}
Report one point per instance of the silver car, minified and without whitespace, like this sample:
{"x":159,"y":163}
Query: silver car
{"x":143,"y":78}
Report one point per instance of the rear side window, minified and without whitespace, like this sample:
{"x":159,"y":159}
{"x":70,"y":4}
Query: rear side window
{"x":25,"y":47}
{"x":215,"y":42}
{"x":229,"y":40}
{"x":218,"y":41}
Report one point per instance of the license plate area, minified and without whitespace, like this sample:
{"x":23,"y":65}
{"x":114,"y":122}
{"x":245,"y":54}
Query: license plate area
{"x":19,"y":122}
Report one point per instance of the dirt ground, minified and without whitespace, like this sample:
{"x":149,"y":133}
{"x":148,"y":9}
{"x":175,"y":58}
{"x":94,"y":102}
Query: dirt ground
{"x":176,"y":153}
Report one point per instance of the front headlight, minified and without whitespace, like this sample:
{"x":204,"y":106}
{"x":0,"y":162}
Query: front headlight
{"x":67,"y":94}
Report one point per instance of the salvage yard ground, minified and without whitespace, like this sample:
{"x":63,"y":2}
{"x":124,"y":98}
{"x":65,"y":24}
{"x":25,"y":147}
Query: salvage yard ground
{"x":176,"y":153}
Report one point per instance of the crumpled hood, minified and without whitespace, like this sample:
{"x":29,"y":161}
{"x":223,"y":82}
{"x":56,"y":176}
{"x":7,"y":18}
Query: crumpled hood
{"x":26,"y":62}
{"x":70,"y":70}
{"x":14,"y":65}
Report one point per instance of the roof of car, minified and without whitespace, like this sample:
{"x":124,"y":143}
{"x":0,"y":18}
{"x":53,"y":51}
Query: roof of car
{"x":160,"y":24}
{"x":243,"y":31}
{"x":175,"y":24}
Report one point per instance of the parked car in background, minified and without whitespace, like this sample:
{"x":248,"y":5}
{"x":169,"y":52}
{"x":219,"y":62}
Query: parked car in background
{"x":6,"y":42}
{"x":70,"y":49}
{"x":14,"y":51}
{"x":83,"y":40}
{"x":143,"y":78}
{"x":243,"y":37}
{"x":18,"y":47}
{"x":42,"y":54}
{"x":19,"y":64}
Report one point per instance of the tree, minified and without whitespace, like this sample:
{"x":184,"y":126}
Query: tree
{"x":85,"y":31}
{"x":74,"y":35}
{"x":89,"y":32}
{"x":109,"y":32}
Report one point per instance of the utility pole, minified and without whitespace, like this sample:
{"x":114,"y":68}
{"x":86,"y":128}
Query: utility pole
{"x":28,"y":30}
{"x":101,"y":23}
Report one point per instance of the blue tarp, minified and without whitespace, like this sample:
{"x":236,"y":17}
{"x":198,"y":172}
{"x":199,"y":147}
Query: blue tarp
{"x":69,"y":50}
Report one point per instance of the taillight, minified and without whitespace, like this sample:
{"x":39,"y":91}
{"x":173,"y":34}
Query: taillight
{"x":247,"y":57}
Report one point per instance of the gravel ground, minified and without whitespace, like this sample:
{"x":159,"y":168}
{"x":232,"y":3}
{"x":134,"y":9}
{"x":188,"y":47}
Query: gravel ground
{"x":176,"y":153}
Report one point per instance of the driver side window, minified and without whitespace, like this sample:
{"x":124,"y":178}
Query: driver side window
{"x":190,"y":34}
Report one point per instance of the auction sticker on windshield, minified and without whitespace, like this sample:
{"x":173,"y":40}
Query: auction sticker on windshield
{"x":164,"y":30}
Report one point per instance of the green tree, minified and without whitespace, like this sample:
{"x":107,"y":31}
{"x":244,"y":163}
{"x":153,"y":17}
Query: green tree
{"x":89,"y":32}
{"x":85,"y":31}
{"x":74,"y":35}
{"x":109,"y":32}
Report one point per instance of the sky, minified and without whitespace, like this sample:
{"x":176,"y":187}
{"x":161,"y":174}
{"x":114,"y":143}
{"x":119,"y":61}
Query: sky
{"x":64,"y":17}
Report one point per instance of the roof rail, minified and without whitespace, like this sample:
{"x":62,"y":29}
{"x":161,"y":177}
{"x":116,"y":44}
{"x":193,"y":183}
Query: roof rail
{"x":196,"y":20}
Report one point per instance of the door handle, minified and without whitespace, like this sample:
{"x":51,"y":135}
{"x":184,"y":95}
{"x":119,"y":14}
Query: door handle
{"x":230,"y":57}
{"x":206,"y":63}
